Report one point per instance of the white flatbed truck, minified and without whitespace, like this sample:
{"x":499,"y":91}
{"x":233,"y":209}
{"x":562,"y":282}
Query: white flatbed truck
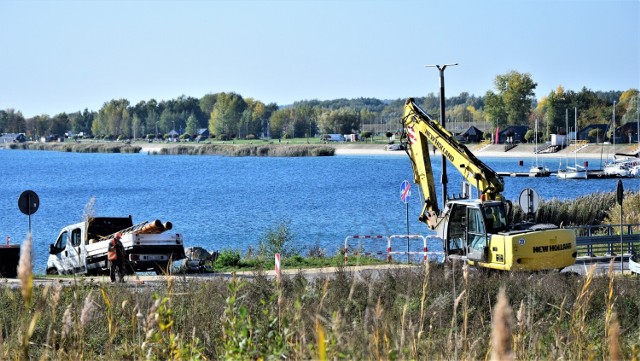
{"x":81,"y":248}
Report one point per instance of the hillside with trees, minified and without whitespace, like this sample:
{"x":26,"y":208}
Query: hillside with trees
{"x":232,"y":116}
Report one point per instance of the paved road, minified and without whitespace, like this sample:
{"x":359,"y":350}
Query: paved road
{"x":154,"y":280}
{"x":582,"y":266}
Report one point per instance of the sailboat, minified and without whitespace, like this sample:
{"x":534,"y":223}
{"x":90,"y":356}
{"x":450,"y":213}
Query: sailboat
{"x":617,"y":167}
{"x":577,"y":171}
{"x":537,"y":170}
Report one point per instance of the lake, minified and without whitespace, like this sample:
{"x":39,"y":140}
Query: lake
{"x":231,"y":202}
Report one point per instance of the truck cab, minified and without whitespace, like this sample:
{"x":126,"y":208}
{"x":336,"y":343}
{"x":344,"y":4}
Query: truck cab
{"x":67,"y":253}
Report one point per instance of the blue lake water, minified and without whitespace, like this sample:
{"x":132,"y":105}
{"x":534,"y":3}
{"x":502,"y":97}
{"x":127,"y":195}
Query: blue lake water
{"x":231,"y":202}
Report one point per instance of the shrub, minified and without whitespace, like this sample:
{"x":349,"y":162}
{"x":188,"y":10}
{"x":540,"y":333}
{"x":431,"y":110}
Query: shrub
{"x":228,"y":258}
{"x":317,"y":251}
{"x":528,"y":136}
{"x":277,"y":240}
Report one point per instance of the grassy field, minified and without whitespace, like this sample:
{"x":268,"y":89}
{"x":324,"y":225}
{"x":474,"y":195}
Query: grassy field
{"x":426,"y":312}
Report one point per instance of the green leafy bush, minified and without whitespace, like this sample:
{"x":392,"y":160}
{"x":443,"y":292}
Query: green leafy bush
{"x":228,"y":258}
{"x":277,"y":240}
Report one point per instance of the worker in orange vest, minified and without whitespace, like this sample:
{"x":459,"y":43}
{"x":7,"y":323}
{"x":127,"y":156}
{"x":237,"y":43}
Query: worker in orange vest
{"x":116,"y":255}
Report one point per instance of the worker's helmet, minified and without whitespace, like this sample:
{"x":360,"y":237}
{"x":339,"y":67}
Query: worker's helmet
{"x":118,"y":235}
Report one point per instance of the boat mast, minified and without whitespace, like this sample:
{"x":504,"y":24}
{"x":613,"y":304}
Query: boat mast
{"x":614,"y":130}
{"x":575,"y":151}
{"x":567,"y":141}
{"x":536,"y":141}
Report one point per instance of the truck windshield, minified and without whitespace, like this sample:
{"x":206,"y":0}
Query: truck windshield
{"x":61,"y":243}
{"x":495,"y":218}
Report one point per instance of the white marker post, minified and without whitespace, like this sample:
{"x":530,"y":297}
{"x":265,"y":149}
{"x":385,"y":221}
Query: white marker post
{"x":277,"y":259}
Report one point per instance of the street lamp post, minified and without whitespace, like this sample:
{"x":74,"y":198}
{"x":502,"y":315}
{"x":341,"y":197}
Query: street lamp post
{"x":443,"y":179}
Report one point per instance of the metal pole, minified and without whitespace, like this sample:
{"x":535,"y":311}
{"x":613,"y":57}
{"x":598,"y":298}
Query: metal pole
{"x":443,"y":179}
{"x":614,"y":129}
{"x":29,"y":210}
{"x":407,"y":209}
{"x":620,"y":200}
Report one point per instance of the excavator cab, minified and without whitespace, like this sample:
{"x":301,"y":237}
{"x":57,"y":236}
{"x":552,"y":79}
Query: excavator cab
{"x":476,"y":235}
{"x":455,"y":243}
{"x":470,"y":226}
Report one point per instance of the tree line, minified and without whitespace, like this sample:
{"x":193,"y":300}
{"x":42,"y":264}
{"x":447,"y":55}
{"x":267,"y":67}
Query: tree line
{"x":231,"y":116}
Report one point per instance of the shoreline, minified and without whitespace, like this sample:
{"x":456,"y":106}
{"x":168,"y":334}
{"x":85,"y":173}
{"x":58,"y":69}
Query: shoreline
{"x":590,"y":151}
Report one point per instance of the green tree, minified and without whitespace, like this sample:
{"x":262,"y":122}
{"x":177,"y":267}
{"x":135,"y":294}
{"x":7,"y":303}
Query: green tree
{"x":207,"y":102}
{"x":12,"y":121}
{"x":495,"y":111}
{"x":341,"y":121}
{"x":136,"y":127}
{"x":243,"y":124}
{"x":226,"y":113}
{"x":168,"y":121}
{"x":37,"y":126}
{"x":113,"y":119}
{"x":630,"y":105}
{"x":514,"y":98}
{"x":192,"y":126}
{"x":431,"y":105}
{"x":280,"y":122}
{"x":307,"y":117}
{"x":59,"y":125}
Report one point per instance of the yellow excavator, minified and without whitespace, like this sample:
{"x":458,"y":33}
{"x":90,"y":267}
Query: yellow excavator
{"x":478,"y":230}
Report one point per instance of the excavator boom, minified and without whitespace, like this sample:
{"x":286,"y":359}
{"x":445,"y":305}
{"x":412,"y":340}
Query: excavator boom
{"x":419,"y":128}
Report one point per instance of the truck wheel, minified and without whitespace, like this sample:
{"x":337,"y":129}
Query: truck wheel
{"x":52,"y":271}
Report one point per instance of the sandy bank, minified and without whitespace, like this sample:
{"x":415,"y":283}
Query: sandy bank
{"x":592,"y":151}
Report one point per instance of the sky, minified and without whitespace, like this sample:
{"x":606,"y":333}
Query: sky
{"x":65,"y":56}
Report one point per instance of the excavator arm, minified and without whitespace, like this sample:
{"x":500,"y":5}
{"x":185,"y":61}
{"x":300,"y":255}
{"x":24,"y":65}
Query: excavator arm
{"x":419,"y":129}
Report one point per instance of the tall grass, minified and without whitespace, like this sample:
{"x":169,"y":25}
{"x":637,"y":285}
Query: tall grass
{"x":235,"y":150}
{"x":592,"y":209}
{"x":265,"y":150}
{"x":393,"y":314}
{"x":80,"y":147}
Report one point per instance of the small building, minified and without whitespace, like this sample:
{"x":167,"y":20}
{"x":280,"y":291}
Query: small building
{"x":627,"y":133}
{"x":600,"y":131}
{"x":13,"y":138}
{"x":513,"y":134}
{"x":472,"y":135}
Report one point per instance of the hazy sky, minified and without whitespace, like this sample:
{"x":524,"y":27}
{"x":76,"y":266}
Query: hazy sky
{"x":64,"y":56}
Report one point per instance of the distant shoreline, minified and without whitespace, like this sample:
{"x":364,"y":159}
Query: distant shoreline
{"x":589,"y":151}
